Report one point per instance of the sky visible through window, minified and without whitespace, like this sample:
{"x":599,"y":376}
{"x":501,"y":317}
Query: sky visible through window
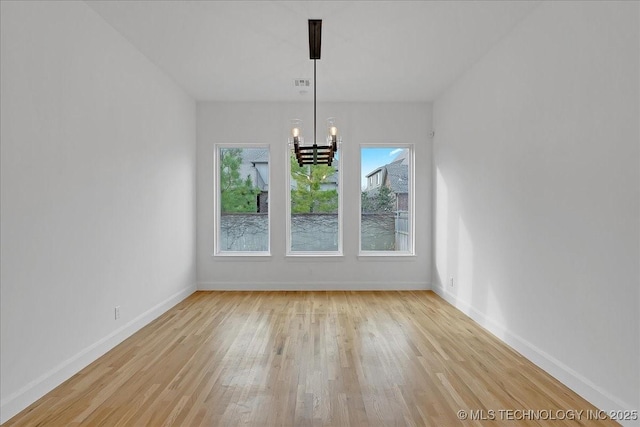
{"x":373,"y":158}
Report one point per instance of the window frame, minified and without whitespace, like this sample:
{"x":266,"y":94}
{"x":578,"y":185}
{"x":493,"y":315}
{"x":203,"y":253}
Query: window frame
{"x":294,"y":254}
{"x":217,"y":204}
{"x":410,"y":201}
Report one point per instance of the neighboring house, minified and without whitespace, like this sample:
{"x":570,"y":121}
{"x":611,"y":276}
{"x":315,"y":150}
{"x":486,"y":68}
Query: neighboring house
{"x":255,"y":164}
{"x":395,"y":176}
{"x":331,"y":183}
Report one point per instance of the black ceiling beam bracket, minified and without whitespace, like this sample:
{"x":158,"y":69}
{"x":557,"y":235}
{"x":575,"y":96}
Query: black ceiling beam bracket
{"x":315,"y":38}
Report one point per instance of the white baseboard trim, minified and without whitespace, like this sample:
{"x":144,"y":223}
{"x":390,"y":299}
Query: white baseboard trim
{"x":25,"y":396}
{"x":596,"y":395}
{"x":313,"y":286}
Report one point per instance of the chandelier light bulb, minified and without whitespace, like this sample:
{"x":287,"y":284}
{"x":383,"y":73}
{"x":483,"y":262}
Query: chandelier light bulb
{"x":332,"y":138}
{"x":331,"y":124}
{"x":296,"y":131}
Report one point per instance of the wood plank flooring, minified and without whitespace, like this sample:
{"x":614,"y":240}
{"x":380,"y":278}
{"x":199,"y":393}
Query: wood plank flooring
{"x":309,"y":359}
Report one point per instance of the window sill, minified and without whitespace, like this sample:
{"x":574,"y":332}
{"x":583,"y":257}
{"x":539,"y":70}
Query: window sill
{"x":293,"y":255}
{"x":241,"y":254}
{"x":377,"y":256}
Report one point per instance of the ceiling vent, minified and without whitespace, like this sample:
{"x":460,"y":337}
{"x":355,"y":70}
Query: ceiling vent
{"x":301,"y":83}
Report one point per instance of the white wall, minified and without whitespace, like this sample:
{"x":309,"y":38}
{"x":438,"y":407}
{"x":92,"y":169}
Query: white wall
{"x":98,"y":194}
{"x":268,"y":123}
{"x":536,"y":189}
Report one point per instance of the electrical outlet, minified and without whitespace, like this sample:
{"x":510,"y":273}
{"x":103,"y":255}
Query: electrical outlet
{"x":451,"y":282}
{"x":117,"y":312}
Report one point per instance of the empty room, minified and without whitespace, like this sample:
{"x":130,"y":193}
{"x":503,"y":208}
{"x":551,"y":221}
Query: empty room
{"x":320,"y":213}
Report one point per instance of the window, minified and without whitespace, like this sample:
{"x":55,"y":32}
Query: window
{"x":241,"y":199}
{"x":314,"y":209}
{"x":386,"y":200}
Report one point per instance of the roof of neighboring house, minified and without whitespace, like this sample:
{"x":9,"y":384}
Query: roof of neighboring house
{"x":396,"y":173}
{"x":374,"y":171}
{"x":256,"y":155}
{"x":398,"y":176}
{"x":251,"y":158}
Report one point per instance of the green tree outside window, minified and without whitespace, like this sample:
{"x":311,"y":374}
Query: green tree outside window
{"x":308,"y":196}
{"x":236,"y":194}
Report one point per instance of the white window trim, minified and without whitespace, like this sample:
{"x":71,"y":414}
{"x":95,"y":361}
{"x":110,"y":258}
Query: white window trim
{"x":410,"y":201}
{"x":289,"y":252}
{"x":217,"y":251}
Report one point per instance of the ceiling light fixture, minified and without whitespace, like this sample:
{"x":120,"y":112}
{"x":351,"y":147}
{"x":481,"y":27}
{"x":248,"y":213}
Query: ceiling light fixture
{"x":314,"y":154}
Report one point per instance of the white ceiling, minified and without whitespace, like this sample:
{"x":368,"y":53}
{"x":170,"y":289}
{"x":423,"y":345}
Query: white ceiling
{"x":371,"y":50}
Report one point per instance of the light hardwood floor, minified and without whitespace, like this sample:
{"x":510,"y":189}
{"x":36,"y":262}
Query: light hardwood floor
{"x":308,"y":359}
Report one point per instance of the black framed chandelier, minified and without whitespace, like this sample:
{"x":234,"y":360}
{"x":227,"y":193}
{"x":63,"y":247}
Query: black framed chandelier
{"x":314,"y":154}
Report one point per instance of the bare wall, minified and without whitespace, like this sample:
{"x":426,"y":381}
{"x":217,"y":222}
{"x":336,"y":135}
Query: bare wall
{"x":98,"y":194}
{"x":536,"y":189}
